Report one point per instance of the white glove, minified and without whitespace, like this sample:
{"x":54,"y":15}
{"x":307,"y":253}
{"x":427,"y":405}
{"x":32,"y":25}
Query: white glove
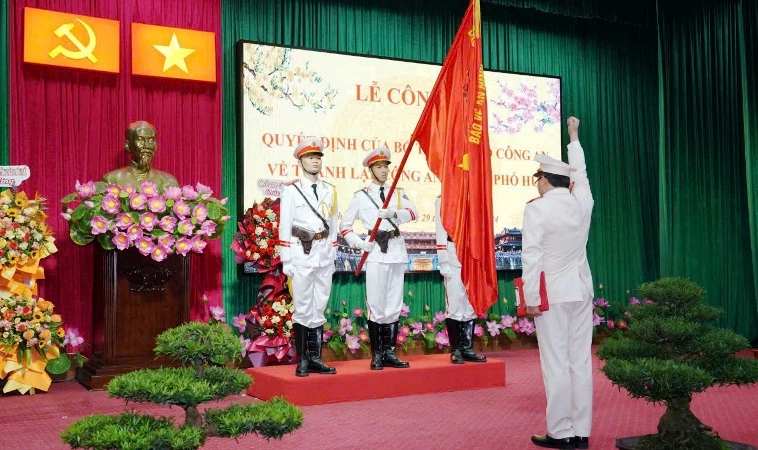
{"x":287,"y":269}
{"x":388,"y":213}
{"x":367,"y":246}
{"x":445,"y":270}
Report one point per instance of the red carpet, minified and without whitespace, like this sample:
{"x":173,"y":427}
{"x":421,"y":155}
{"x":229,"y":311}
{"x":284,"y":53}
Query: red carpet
{"x":356,"y":381}
{"x":495,"y":418}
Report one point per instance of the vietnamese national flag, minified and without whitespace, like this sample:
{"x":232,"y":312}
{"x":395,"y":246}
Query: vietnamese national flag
{"x":173,"y":52}
{"x":453,"y":133}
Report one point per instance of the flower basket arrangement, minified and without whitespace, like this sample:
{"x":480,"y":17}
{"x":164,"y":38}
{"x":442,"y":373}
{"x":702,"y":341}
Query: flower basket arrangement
{"x":30,"y":331}
{"x":258,"y":236}
{"x":30,"y":340}
{"x":25,"y":239}
{"x":269,"y":321}
{"x":158,"y":220}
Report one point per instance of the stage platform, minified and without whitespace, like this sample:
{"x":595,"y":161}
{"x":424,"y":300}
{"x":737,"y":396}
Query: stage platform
{"x":356,"y":381}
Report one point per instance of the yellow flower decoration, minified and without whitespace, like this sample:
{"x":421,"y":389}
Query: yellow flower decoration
{"x":43,"y":304}
{"x":61,"y":332}
{"x":38,"y":316}
{"x":45,"y":334}
{"x":12,"y":212}
{"x":56,"y":318}
{"x":34,"y":254}
{"x":13,"y":259}
{"x":21,"y":200}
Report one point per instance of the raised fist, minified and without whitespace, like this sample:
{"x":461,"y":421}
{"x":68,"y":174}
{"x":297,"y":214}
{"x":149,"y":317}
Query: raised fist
{"x":573,"y":128}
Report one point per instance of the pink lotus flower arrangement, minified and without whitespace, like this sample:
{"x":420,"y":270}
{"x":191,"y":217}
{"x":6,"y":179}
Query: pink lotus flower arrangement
{"x":157,"y":220}
{"x":345,"y":330}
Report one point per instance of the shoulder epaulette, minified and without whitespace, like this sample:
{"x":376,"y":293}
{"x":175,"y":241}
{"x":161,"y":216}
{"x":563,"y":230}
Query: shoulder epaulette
{"x":326,"y":182}
{"x":290,"y":183}
{"x":535,"y":198}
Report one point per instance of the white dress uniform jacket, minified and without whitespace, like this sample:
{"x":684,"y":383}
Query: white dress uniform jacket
{"x":363,"y":209}
{"x":556,"y":228}
{"x":294,"y":211}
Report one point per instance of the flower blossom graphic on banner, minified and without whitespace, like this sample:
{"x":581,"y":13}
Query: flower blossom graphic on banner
{"x":268,"y":76}
{"x":526,"y":107}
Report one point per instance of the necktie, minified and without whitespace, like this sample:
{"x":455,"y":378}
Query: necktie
{"x":314,"y":190}
{"x":381,"y":193}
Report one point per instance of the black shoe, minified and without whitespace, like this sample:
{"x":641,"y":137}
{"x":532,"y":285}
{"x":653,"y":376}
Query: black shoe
{"x":389,"y":339}
{"x":315,"y":341}
{"x":582,"y":441}
{"x":548,"y":442}
{"x":374,"y":337}
{"x":453,"y":327}
{"x":466,"y":339}
{"x":301,"y":345}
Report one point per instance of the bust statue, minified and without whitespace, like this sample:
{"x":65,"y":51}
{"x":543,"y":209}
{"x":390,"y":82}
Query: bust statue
{"x":141,"y":144}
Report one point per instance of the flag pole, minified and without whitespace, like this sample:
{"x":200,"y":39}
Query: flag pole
{"x":412,"y":141}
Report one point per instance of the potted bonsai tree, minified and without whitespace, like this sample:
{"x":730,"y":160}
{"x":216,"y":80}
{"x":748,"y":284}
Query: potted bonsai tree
{"x":204,"y":349}
{"x":670,"y":352}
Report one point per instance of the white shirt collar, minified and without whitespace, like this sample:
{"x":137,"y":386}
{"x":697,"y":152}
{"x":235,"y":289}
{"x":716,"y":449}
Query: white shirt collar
{"x":557,"y":191}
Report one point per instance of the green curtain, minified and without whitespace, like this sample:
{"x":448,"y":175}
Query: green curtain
{"x":609,"y":81}
{"x":705,"y":231}
{"x":640,"y":12}
{"x":5,"y":74}
{"x":749,"y":64}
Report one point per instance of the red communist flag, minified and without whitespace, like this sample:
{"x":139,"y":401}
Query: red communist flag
{"x":452,"y":132}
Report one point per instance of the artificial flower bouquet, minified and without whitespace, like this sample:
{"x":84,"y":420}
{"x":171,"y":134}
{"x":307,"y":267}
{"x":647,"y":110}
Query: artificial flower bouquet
{"x":31,"y":336}
{"x":158,"y":220}
{"x":25,"y":239}
{"x":258,"y":236}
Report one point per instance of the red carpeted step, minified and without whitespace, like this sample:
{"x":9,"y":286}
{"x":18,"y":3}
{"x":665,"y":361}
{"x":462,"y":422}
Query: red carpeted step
{"x":356,"y":381}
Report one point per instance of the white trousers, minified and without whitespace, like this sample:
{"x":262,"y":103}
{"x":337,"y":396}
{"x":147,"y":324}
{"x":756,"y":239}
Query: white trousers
{"x":564,"y":333}
{"x":384,"y":291}
{"x":456,"y":298}
{"x":311,"y":287}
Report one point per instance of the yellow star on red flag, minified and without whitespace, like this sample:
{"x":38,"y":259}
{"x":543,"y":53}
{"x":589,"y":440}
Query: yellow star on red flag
{"x":174,"y":54}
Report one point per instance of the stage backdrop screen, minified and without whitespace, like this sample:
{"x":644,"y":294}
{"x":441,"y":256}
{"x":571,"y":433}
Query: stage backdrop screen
{"x":355,"y":103}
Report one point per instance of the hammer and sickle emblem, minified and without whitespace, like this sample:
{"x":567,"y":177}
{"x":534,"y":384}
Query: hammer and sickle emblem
{"x":84,"y":52}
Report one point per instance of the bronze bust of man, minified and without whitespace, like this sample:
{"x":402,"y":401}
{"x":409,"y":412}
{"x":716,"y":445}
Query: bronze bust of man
{"x":141,"y":143}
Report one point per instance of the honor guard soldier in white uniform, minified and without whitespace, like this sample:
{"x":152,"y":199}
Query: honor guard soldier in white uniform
{"x":459,"y":314}
{"x":308,"y":247}
{"x":385,"y":265}
{"x":556,"y":227}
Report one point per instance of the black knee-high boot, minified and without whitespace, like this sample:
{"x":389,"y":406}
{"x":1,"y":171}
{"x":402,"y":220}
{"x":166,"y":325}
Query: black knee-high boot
{"x":301,"y":345}
{"x":389,"y":339}
{"x":466,"y":337}
{"x":315,"y":341}
{"x":453,"y":333}
{"x":375,"y":340}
